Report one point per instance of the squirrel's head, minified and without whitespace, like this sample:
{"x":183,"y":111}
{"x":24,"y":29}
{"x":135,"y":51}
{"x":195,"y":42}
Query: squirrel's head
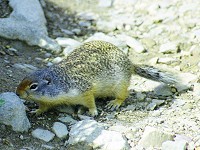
{"x":42,"y":83}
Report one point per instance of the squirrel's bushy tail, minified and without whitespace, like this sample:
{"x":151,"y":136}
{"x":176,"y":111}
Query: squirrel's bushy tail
{"x":155,"y":74}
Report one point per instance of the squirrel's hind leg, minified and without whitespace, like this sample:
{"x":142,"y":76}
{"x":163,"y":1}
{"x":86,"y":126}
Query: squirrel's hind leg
{"x":121,"y":93}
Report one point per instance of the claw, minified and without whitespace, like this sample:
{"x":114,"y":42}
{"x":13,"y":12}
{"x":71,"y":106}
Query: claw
{"x":113,"y":105}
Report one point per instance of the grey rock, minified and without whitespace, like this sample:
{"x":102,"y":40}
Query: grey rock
{"x":60,"y":130}
{"x":153,"y":137}
{"x":49,"y":64}
{"x":92,"y":134}
{"x":158,"y":102}
{"x":140,"y":96}
{"x":84,"y":117}
{"x":12,"y":112}
{"x":26,"y":67}
{"x":76,"y":31}
{"x":27,"y":23}
{"x":68,"y":32}
{"x":85,"y":24}
{"x":42,"y":134}
{"x":151,"y":106}
{"x":47,"y":146}
{"x":154,"y":104}
{"x":67,"y":119}
{"x":130,"y":107}
{"x":47,"y":55}
{"x":163,"y":90}
{"x":170,"y":47}
{"x":174,"y":145}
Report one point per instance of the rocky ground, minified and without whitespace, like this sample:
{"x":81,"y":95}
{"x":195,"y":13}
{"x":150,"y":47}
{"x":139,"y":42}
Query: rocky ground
{"x":162,"y":33}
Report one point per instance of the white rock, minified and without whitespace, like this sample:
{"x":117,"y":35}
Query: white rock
{"x":12,"y":112}
{"x":132,"y":43}
{"x":42,"y":134}
{"x":153,"y":137}
{"x":196,"y":89}
{"x":106,"y":26}
{"x":60,"y":129}
{"x":105,"y":3}
{"x":187,"y":78}
{"x":119,"y":128}
{"x":57,"y":60}
{"x":197,"y":33}
{"x":170,"y":47}
{"x":101,"y":36}
{"x":65,"y":42}
{"x":89,"y":16}
{"x":174,"y":145}
{"x":166,"y":60}
{"x":90,"y":133}
{"x":68,"y":50}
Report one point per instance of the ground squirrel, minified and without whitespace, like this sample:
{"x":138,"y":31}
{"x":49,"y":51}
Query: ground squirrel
{"x":95,"y":69}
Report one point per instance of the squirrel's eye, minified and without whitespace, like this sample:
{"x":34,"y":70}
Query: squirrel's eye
{"x":33,"y":86}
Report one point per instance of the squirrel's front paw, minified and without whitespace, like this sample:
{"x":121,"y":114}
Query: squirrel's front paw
{"x":37,"y":112}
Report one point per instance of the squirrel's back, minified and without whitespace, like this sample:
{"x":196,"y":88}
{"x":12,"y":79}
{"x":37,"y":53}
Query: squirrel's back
{"x":93,"y":62}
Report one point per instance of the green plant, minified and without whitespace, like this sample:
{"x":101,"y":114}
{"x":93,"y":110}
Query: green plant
{"x":2,"y":102}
